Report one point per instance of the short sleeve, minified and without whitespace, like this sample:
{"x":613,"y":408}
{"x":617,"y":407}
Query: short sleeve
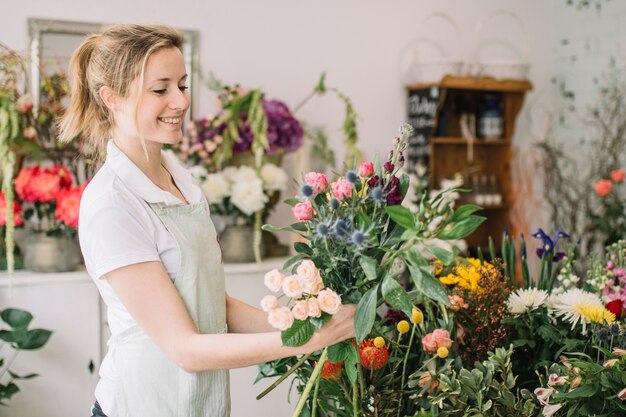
{"x":113,"y":237}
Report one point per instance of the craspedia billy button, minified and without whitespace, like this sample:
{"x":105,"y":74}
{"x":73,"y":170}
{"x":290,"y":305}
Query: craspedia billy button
{"x":403,"y":326}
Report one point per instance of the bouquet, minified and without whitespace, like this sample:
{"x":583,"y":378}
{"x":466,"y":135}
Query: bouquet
{"x":358,"y":236}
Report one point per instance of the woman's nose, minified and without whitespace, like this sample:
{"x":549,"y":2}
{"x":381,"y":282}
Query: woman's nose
{"x":180,"y":100}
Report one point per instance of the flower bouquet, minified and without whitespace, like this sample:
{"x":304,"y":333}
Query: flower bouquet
{"x":359,"y":238}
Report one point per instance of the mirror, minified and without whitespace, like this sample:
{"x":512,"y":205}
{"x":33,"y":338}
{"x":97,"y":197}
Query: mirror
{"x":52,"y":43}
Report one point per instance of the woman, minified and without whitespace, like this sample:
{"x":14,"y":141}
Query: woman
{"x":149,"y":243}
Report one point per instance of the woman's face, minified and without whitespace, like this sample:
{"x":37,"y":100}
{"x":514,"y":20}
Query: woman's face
{"x":164,"y":100}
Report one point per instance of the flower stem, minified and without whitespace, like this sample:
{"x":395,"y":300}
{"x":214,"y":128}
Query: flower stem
{"x":314,"y":406}
{"x":406,"y":359}
{"x":307,"y":389}
{"x":283,"y":376}
{"x":355,"y":400}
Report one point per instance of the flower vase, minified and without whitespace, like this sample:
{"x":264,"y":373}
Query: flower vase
{"x":51,"y":253}
{"x":237,"y":242}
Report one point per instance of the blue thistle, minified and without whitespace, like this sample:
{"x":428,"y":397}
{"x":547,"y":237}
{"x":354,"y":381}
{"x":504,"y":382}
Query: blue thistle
{"x":334,"y":203}
{"x":340,"y":228}
{"x":352,"y":177}
{"x":306,"y":190}
{"x":357,"y":238}
{"x":377,"y":194}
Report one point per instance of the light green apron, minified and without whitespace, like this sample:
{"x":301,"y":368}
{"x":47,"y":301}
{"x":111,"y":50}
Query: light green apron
{"x":149,"y":384}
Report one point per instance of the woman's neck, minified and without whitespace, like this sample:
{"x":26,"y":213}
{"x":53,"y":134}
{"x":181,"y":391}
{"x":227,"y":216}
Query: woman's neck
{"x":148,"y":160}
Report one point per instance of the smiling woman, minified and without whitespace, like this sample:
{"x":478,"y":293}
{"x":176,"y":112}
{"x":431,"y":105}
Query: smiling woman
{"x":149,"y":243}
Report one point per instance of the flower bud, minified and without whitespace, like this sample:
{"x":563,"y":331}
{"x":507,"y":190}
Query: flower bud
{"x":379,"y":342}
{"x":403,"y":326}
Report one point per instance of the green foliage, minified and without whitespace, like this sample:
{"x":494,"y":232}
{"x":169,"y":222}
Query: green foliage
{"x":18,"y":337}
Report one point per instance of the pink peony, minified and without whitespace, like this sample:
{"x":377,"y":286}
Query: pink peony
{"x":366,"y":169}
{"x":602,"y":187}
{"x":303,"y":211}
{"x":300,"y":310}
{"x":274,"y":280}
{"x":280,"y":318}
{"x":329,"y":301}
{"x":618,"y":175}
{"x":342,"y":189}
{"x":317,"y":181}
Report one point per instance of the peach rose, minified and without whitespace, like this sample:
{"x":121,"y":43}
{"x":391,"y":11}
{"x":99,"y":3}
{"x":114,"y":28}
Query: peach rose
{"x":618,"y":175}
{"x":274,"y":280}
{"x":342,"y":189}
{"x":329,"y":301}
{"x":300,"y":310}
{"x":280,"y":318}
{"x":428,"y":343}
{"x":292,"y":287}
{"x":310,"y":277}
{"x":435,"y":340}
{"x":313,"y":307}
{"x":602,"y":187}
{"x":269,"y":303}
{"x":303,"y":211}
{"x":317,"y":181}
{"x":366,"y":169}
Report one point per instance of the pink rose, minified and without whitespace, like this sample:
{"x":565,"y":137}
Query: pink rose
{"x":341,"y":189}
{"x":618,"y":175}
{"x":303,"y":211}
{"x":317,"y":181}
{"x":300,"y":310}
{"x":366,"y":169}
{"x":310,"y":277}
{"x":442,"y":338}
{"x":280,"y":318}
{"x":24,"y":104}
{"x":313,"y":307}
{"x":274,"y":280}
{"x":602,"y":187}
{"x":329,"y":301}
{"x":269,"y":303}
{"x":428,"y":343}
{"x":292,"y":287}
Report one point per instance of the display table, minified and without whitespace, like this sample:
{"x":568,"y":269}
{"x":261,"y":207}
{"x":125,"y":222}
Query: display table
{"x":70,"y":306}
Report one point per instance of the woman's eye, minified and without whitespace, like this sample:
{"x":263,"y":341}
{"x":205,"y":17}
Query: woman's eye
{"x":183,"y":87}
{"x":159,"y":92}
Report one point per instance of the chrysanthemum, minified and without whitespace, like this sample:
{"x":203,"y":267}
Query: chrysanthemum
{"x":523,"y":300}
{"x":576,"y":305}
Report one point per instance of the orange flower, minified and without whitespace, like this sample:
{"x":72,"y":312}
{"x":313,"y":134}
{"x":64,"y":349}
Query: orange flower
{"x":602,"y":187}
{"x":17,"y":219}
{"x":332,"y":370}
{"x":68,"y":204}
{"x":618,"y":175}
{"x":372,"y":357}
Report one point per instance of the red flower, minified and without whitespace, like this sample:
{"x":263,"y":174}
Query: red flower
{"x":618,"y":175}
{"x":17,"y":219}
{"x":373,"y":358}
{"x":34,"y":184}
{"x":332,"y":370}
{"x":616,"y":307}
{"x":68,"y":204}
{"x":602,"y":187}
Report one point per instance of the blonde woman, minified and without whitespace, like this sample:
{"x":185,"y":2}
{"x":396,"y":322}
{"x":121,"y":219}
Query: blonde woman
{"x":148,"y":241}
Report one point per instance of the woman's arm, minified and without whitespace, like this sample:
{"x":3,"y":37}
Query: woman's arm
{"x":244,"y":318}
{"x":151,"y":298}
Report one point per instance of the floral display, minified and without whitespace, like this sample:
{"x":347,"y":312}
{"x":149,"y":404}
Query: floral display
{"x":609,"y":218}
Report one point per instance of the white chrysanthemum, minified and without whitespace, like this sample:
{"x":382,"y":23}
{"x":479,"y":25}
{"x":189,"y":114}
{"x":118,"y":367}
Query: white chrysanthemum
{"x":249,"y":196}
{"x":216,"y":188}
{"x":274,"y":178}
{"x":243,"y":175}
{"x":571,"y":304}
{"x":523,"y":300}
{"x":199,"y":172}
{"x":230,"y":173}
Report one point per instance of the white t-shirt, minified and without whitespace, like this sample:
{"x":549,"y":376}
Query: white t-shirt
{"x":117,"y":228}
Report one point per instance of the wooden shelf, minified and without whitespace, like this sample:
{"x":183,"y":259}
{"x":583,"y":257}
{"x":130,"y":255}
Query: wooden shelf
{"x":463,"y":141}
{"x":477,"y":83}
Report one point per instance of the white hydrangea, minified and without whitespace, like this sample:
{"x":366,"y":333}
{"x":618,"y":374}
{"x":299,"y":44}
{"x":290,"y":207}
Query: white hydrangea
{"x":526,"y":299}
{"x":199,"y":172}
{"x":274,"y":178}
{"x":243,"y":175}
{"x":230,"y":174}
{"x":216,"y":188}
{"x":248,"y":196}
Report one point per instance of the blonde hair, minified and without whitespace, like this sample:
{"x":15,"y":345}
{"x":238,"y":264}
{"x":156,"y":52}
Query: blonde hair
{"x":113,"y":58}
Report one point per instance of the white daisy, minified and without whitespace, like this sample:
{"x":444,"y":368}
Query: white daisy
{"x":572,"y":304}
{"x":526,"y":299}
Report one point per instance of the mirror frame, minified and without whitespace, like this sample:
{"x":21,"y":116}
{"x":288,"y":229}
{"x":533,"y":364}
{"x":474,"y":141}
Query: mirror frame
{"x":37,"y":28}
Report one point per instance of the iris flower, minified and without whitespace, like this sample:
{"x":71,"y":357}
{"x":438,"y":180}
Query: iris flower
{"x":548,"y":244}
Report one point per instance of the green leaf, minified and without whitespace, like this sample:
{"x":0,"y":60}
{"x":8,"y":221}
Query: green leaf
{"x":298,"y":334}
{"x":369,"y":267}
{"x":463,"y":212}
{"x":303,"y":248}
{"x":401,"y":215}
{"x":7,"y":336}
{"x":404,"y":184}
{"x":585,"y":391}
{"x":34,"y":339}
{"x":365,"y":314}
{"x":443,"y":255}
{"x":396,"y":296}
{"x":319,"y":321}
{"x":17,"y":319}
{"x":291,"y":202}
{"x":414,"y":256}
{"x":463,"y":228}
{"x":428,"y":284}
{"x":273,"y":229}
{"x":293,"y":260}
{"x":339,"y":352}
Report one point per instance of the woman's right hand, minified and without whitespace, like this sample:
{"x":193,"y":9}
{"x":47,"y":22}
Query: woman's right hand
{"x":339,"y":328}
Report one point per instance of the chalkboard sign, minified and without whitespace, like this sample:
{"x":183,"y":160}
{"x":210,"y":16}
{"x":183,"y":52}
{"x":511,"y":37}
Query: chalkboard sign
{"x":422,"y":111}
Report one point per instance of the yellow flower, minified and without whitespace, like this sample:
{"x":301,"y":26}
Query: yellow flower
{"x":595,"y":314}
{"x":379,"y":342}
{"x":437,"y":267}
{"x":449,"y":279}
{"x":442,"y":352}
{"x":417,"y":317}
{"x":403,"y":327}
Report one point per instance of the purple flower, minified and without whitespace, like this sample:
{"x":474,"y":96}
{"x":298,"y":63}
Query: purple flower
{"x":394,"y":195}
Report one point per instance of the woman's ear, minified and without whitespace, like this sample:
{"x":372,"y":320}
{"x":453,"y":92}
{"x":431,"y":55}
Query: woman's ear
{"x":108,"y":97}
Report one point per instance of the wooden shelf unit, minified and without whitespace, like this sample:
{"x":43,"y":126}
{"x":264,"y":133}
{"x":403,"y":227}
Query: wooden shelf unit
{"x":448,"y":153}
